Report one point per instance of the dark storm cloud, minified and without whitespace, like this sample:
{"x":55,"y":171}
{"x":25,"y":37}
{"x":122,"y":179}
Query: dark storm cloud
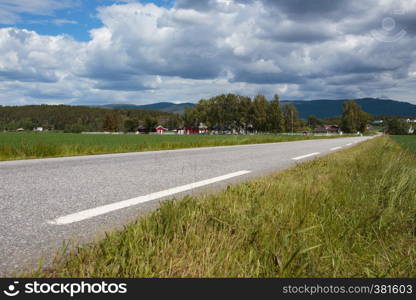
{"x":114,"y":85}
{"x":267,"y":78}
{"x":301,"y":9}
{"x":197,"y":5}
{"x":28,"y":76}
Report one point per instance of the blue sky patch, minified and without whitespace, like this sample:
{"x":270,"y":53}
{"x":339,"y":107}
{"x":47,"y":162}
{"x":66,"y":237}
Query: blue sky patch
{"x":76,"y":19}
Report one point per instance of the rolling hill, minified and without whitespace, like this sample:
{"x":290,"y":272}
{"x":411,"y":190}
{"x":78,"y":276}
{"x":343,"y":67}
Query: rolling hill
{"x":162,"y":106}
{"x":319,"y":108}
{"x":332,"y":108}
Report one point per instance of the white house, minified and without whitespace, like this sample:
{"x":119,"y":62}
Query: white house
{"x":202,"y":128}
{"x":412,"y":123}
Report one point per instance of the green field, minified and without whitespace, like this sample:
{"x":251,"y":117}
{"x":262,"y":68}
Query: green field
{"x":41,"y":145}
{"x":349,"y":214}
{"x":406,"y":141}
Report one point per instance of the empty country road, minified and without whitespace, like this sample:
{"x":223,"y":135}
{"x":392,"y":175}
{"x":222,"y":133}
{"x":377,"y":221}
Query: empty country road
{"x":45,"y":202}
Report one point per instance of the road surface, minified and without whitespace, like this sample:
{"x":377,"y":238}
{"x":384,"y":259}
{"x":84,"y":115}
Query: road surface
{"x":44,"y":202}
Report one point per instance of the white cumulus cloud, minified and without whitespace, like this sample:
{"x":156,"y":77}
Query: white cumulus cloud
{"x":145,"y":53}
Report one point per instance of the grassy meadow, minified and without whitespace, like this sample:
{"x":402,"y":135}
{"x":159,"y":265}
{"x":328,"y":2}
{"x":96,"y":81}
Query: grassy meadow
{"x":349,"y":214}
{"x":41,"y":145}
{"x":406,"y":141}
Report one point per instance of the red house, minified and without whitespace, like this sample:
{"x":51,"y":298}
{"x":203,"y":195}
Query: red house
{"x":191,"y":131}
{"x":160,"y":129}
{"x":201,"y":129}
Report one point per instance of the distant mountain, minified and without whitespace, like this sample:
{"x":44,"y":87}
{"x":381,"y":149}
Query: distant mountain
{"x":319,"y":108}
{"x":162,"y":106}
{"x":333,"y":108}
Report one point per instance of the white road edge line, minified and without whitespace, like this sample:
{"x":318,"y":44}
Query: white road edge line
{"x":335,"y":148}
{"x":305,"y":156}
{"x":101,"y":210}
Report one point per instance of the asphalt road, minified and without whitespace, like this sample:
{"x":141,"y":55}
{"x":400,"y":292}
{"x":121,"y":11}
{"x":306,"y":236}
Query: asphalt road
{"x":45,"y":202}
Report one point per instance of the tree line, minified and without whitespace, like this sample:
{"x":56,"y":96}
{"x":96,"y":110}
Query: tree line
{"x":230,"y":112}
{"x":223,"y":113}
{"x":79,"y":118}
{"x":244,"y":114}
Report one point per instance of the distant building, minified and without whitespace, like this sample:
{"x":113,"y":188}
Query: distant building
{"x":191,"y":131}
{"x":328,"y":129}
{"x":141,"y":130}
{"x":160,"y":129}
{"x":202,"y":128}
{"x":412,"y":127}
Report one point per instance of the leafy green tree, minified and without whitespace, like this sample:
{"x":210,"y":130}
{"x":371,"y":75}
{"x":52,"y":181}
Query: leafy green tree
{"x":260,"y":108}
{"x":275,"y":117}
{"x":245,"y":117}
{"x":396,"y":126}
{"x":190,"y":118}
{"x":150,"y":123}
{"x":291,"y":118}
{"x":313,"y":122}
{"x":130,"y":125}
{"x":353,"y":118}
{"x":111,"y":122}
{"x":174,"y":122}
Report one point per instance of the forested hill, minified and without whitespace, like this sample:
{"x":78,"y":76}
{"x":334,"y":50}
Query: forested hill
{"x":332,"y":108}
{"x":75,"y":118}
{"x":84,"y":118}
{"x":319,"y":108}
{"x":161,"y":106}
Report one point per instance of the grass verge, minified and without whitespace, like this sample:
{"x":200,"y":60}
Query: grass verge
{"x":349,"y":214}
{"x":406,"y":141}
{"x":41,"y":145}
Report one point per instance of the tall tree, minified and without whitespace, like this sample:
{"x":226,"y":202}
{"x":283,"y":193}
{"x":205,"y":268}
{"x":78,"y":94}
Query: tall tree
{"x":111,"y":122}
{"x":354,"y":119}
{"x":275,"y":117}
{"x":245,"y":118}
{"x":291,"y":118}
{"x":260,"y":108}
{"x":313,"y":122}
{"x":396,"y":126}
{"x":150,"y":123}
{"x":190,"y":118}
{"x":130,"y":125}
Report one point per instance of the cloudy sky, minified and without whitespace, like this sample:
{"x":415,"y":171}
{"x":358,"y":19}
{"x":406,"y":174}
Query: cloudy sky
{"x":102,"y":51}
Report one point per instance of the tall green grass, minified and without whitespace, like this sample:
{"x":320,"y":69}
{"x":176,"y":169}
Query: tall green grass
{"x":406,"y":141}
{"x":41,"y":145}
{"x":350,"y":214}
